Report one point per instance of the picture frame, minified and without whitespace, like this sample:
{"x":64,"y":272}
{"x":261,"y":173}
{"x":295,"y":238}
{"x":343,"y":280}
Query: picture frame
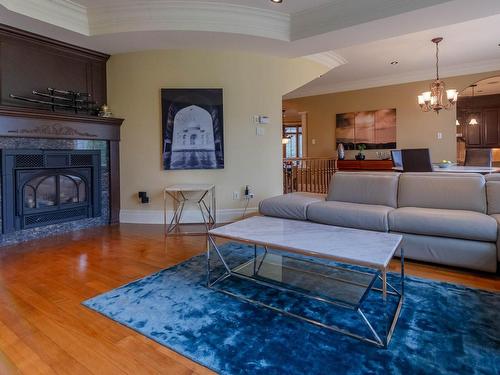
{"x":192,"y":128}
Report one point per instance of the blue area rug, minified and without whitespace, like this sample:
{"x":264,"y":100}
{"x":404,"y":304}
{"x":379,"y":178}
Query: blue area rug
{"x":443,"y":328}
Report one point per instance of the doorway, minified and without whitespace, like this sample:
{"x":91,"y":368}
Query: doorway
{"x":294,"y":134}
{"x":478,"y":118}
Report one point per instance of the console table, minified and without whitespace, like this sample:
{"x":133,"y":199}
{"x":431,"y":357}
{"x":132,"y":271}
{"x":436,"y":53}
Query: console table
{"x":203,"y":195}
{"x":364,"y":165}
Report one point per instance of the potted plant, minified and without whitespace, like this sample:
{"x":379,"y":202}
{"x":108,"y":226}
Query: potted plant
{"x":361,"y":153}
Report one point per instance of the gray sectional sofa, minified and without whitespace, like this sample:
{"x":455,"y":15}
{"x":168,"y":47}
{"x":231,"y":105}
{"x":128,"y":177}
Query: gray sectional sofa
{"x":445,"y":218}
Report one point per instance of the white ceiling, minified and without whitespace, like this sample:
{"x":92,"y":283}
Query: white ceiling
{"x":468,"y":47}
{"x":358,"y":37}
{"x":288,"y":6}
{"x":489,"y":86}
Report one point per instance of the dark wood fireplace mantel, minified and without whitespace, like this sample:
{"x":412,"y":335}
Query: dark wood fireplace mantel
{"x":27,"y":122}
{"x":32,"y":123}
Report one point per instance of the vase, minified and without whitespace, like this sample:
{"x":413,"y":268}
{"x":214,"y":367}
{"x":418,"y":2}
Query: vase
{"x":340,"y":151}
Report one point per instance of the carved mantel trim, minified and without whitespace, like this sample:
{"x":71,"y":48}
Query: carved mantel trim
{"x":53,"y":130}
{"x":22,"y":122}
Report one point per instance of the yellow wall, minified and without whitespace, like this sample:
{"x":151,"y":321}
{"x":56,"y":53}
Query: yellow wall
{"x":415,"y":129}
{"x":252,"y":84}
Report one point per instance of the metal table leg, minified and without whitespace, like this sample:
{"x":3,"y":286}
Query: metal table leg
{"x":380,"y":340}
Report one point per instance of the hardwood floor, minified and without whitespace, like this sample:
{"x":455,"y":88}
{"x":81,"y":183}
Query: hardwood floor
{"x":44,"y":329}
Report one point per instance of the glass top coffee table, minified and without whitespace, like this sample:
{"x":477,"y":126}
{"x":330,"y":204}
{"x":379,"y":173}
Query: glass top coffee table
{"x":287,"y":257}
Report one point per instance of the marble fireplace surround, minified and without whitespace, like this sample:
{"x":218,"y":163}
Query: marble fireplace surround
{"x":22,"y":128}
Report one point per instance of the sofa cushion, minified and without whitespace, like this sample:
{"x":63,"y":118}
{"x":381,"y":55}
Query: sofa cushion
{"x":455,"y":252}
{"x":364,"y":188}
{"x":492,"y":177}
{"x":289,"y":206}
{"x":493,"y":196}
{"x":351,"y":215}
{"x":467,"y":192}
{"x":467,"y":225}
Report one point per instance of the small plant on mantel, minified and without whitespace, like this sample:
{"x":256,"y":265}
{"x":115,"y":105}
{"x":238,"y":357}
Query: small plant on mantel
{"x":361,"y":153}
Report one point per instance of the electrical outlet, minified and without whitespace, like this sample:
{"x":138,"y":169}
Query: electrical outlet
{"x":236,"y":195}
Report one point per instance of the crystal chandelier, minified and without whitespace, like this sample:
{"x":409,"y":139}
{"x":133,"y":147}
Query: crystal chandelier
{"x":434,"y":100}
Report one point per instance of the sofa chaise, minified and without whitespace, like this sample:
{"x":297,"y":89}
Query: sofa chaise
{"x":445,"y":218}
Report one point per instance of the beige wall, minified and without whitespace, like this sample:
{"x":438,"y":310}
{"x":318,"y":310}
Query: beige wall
{"x":414,"y":127}
{"x":252,"y":84}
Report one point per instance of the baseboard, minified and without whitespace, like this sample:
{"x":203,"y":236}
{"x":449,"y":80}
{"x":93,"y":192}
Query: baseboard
{"x":189,"y":216}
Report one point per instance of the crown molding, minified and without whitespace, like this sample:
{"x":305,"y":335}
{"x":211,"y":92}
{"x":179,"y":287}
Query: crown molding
{"x":396,"y":79}
{"x":62,"y":13}
{"x":156,"y":15}
{"x":188,"y":16}
{"x":337,"y":15}
{"x":329,"y":59}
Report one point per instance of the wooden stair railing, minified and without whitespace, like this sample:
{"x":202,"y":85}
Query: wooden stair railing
{"x":307,"y":174}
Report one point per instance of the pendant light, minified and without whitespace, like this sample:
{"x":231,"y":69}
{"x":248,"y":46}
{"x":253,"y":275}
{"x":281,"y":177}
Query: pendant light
{"x":473,"y":120}
{"x":434,"y":100}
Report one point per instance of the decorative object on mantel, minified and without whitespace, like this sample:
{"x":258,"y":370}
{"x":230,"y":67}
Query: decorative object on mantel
{"x":361,"y":154}
{"x":340,"y":151}
{"x":433,"y":100}
{"x":65,"y":99}
{"x":105,"y":111}
{"x":374,"y":129}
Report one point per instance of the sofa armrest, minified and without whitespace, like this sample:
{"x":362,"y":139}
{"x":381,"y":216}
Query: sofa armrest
{"x":289,"y":206}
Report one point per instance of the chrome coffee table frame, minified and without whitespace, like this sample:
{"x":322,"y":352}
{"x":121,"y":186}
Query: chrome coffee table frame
{"x":256,"y":262}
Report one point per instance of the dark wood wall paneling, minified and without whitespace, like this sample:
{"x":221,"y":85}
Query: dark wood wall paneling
{"x":32,"y":62}
{"x":486,"y":109}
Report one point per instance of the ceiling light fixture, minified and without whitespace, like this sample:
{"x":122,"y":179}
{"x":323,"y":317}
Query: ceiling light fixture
{"x":395,"y":62}
{"x":277,"y":1}
{"x":433,"y":100}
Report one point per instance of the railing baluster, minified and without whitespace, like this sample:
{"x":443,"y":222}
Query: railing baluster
{"x":307,"y":174}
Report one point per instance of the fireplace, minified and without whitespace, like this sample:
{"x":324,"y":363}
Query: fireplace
{"x":43,"y":187}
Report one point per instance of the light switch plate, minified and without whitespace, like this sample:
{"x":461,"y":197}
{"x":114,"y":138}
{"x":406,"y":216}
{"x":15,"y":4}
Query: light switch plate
{"x":439,"y":135}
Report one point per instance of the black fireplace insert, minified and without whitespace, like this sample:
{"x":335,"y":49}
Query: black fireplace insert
{"x":42,"y":187}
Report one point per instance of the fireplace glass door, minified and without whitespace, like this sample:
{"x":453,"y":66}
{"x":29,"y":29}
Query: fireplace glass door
{"x":54,"y":190}
{"x":71,"y":189}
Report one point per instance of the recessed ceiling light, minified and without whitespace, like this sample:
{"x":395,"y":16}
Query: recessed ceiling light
{"x":395,"y":62}
{"x":277,"y":1}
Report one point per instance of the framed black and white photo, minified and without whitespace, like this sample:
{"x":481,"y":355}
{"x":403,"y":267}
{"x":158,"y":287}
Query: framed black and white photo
{"x":193,"y":134}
